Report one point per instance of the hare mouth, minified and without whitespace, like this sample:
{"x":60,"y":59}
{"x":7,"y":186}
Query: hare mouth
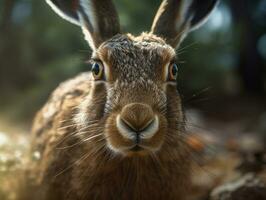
{"x":136,"y":148}
{"x":139,"y":148}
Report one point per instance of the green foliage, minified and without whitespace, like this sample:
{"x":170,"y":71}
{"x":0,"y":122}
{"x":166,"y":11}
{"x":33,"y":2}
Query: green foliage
{"x":136,"y":16}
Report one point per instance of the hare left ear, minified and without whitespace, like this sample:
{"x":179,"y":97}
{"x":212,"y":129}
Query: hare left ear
{"x":176,"y":18}
{"x":97,"y":18}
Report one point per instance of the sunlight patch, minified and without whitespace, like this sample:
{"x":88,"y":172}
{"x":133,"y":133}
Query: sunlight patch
{"x":3,"y":139}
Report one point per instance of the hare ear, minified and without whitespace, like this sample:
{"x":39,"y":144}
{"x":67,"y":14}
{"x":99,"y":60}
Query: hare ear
{"x":176,"y":18}
{"x":97,"y":18}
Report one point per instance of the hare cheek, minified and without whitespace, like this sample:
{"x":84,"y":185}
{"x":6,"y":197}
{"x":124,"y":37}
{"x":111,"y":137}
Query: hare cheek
{"x":92,"y":107}
{"x":174,"y":109}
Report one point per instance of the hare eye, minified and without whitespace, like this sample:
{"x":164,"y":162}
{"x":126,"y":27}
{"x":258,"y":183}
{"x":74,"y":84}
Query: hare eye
{"x":173,"y":71}
{"x":97,"y":70}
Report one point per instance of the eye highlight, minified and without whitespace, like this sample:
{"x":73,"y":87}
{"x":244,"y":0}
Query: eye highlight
{"x":172,"y":71}
{"x":97,"y":70}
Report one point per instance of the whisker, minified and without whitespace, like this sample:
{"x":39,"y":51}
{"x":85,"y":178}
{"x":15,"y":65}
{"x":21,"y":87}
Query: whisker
{"x":75,"y":133}
{"x":204,"y":90}
{"x":78,"y":143}
{"x":69,"y":167}
{"x":80,"y":160}
{"x":181,"y":50}
{"x":65,"y":127}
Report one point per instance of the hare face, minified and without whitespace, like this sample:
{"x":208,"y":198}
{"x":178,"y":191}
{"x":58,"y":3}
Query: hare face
{"x":133,"y":102}
{"x":135,"y":99}
{"x":134,"y":92}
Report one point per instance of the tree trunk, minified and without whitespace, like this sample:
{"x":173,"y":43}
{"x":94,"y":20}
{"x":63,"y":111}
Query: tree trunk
{"x":250,"y":65}
{"x":8,"y":6}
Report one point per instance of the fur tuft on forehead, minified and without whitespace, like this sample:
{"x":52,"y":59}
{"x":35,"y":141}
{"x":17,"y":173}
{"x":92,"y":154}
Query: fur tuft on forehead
{"x":148,"y":37}
{"x":144,"y":47}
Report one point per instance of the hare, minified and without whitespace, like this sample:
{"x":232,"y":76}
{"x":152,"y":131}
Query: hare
{"x":117,"y":132}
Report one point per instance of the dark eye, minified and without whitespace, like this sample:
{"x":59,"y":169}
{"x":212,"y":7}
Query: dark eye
{"x":173,"y":71}
{"x":97,"y":70}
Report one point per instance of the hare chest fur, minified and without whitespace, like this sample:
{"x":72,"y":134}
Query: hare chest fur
{"x":117,"y":132}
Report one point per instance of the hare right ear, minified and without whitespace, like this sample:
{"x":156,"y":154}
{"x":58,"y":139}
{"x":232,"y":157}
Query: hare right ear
{"x":176,"y":18}
{"x":97,"y":18}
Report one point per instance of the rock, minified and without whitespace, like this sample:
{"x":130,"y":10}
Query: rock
{"x":252,"y":162}
{"x":248,"y":187}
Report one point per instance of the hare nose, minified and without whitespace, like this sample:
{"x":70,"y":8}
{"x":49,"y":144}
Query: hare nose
{"x":137,"y":121}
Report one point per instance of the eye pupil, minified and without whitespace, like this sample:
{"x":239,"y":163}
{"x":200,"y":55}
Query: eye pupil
{"x":174,"y":70}
{"x":96,"y":69}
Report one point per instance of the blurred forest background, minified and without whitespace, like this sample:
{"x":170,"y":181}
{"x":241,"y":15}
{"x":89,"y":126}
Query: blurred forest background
{"x":222,"y":69}
{"x":226,"y":58}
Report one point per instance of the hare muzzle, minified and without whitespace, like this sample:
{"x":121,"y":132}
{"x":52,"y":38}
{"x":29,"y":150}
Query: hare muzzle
{"x":137,"y":122}
{"x":137,"y":129}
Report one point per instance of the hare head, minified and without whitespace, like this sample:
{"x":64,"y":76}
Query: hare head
{"x":133,"y":101}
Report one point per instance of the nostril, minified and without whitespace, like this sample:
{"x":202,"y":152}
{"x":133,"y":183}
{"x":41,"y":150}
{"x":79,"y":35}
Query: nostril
{"x":137,"y":121}
{"x":147,"y":125}
{"x":125,"y":128}
{"x":151,"y":128}
{"x":137,"y":115}
{"x":128,"y":125}
{"x":131,"y":132}
{"x":137,"y":129}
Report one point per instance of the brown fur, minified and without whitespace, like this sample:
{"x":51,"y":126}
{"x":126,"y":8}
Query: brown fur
{"x":82,"y":153}
{"x":102,"y":174}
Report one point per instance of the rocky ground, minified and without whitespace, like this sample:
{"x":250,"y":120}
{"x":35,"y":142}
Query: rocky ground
{"x":231,"y":158}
